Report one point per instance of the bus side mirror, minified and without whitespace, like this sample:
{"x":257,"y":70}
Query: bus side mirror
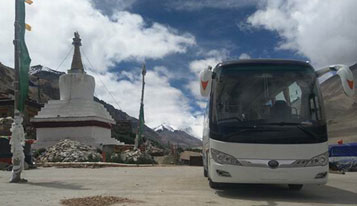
{"x":345,"y":75}
{"x":206,"y":81}
{"x":347,"y":80}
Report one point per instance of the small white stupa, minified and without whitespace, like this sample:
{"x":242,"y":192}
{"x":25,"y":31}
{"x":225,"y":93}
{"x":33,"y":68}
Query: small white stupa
{"x":76,"y":115}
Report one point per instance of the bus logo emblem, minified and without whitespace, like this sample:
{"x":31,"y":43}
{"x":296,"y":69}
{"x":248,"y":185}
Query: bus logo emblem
{"x":273,"y":164}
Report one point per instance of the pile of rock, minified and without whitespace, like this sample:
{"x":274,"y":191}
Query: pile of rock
{"x":153,"y":150}
{"x":136,"y":157}
{"x":70,"y":151}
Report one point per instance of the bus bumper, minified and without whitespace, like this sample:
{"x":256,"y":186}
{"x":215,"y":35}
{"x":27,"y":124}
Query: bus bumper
{"x":264,"y":175}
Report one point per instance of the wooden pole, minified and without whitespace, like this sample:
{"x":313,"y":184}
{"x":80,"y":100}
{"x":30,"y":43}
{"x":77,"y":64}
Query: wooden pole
{"x":16,"y":59}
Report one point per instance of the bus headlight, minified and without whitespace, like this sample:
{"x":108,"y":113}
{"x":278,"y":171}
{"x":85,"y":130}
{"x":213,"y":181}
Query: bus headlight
{"x":223,"y":158}
{"x":320,"y":160}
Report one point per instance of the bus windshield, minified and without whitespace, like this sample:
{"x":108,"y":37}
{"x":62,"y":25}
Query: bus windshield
{"x":274,"y":104}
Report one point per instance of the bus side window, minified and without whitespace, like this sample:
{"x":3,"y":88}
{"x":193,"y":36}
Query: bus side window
{"x":212,"y":110}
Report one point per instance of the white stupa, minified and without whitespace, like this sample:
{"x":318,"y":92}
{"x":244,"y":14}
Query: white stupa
{"x":76,"y":115}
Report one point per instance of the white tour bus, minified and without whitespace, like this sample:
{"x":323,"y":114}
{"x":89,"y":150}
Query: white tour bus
{"x":265,"y":122}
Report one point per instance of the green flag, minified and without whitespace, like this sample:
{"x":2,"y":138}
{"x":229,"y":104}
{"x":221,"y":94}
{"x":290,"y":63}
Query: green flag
{"x":141,"y":122}
{"x":24,"y":58}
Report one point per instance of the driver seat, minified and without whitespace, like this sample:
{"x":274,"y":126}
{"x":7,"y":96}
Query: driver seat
{"x":280,"y":111}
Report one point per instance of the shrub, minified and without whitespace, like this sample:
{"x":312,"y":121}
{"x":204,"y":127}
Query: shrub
{"x":94,"y":158}
{"x":38,"y":152}
{"x":114,"y":157}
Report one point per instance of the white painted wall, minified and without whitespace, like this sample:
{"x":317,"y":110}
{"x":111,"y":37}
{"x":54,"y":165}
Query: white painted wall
{"x":76,"y":104}
{"x":76,"y":86}
{"x":90,"y":135}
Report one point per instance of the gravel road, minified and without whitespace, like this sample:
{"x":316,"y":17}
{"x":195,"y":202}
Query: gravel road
{"x":164,"y":186}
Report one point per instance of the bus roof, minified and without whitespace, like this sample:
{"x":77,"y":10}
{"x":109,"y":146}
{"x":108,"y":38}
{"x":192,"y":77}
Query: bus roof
{"x":264,"y":62}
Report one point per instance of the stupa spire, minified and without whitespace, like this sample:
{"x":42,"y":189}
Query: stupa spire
{"x":77,"y":66}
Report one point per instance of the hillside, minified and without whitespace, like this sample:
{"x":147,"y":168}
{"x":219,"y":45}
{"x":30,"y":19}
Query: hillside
{"x":177,"y":137}
{"x":119,"y":115}
{"x":341,"y":111}
{"x":6,"y":79}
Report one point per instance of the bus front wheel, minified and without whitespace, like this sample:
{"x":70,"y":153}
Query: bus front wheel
{"x":295,"y":187}
{"x":205,"y":173}
{"x":214,"y":185}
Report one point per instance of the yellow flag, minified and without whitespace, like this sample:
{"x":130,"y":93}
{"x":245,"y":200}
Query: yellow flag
{"x":29,"y":1}
{"x":27,"y":27}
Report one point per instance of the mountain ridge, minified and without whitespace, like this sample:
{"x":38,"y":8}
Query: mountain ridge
{"x":44,"y":86}
{"x":178,"y":137}
{"x":163,"y":127}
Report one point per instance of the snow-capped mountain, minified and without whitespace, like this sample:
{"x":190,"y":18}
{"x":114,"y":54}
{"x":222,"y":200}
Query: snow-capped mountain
{"x":164,"y":127}
{"x":177,"y":137}
{"x":39,"y":68}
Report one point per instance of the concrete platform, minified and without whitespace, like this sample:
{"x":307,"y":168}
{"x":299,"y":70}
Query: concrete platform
{"x":165,"y":186}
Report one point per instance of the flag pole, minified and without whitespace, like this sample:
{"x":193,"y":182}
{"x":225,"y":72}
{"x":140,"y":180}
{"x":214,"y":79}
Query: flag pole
{"x":17,"y":130}
{"x":16,"y":58}
{"x":141,"y":113}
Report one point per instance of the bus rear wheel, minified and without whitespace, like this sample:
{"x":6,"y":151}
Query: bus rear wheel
{"x":295,"y":187}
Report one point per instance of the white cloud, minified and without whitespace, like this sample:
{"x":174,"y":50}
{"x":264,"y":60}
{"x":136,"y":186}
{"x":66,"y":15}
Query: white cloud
{"x":106,"y":41}
{"x":125,"y":36}
{"x":162,"y":103}
{"x":324,"y":31}
{"x":163,"y":71}
{"x":202,"y":104}
{"x":244,"y":56}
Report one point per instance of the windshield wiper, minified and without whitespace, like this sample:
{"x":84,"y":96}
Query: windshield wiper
{"x":288,"y":123}
{"x":298,"y":125}
{"x":252,"y":130}
{"x":230,"y":119}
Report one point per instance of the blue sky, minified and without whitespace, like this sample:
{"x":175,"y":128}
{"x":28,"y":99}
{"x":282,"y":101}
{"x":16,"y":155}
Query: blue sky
{"x":176,"y":39}
{"x":213,"y":28}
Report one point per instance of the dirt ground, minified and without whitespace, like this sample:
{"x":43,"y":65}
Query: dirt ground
{"x":164,"y":186}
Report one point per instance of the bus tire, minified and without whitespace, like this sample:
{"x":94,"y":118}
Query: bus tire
{"x":214,"y":185}
{"x":295,"y":187}
{"x":205,"y":173}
